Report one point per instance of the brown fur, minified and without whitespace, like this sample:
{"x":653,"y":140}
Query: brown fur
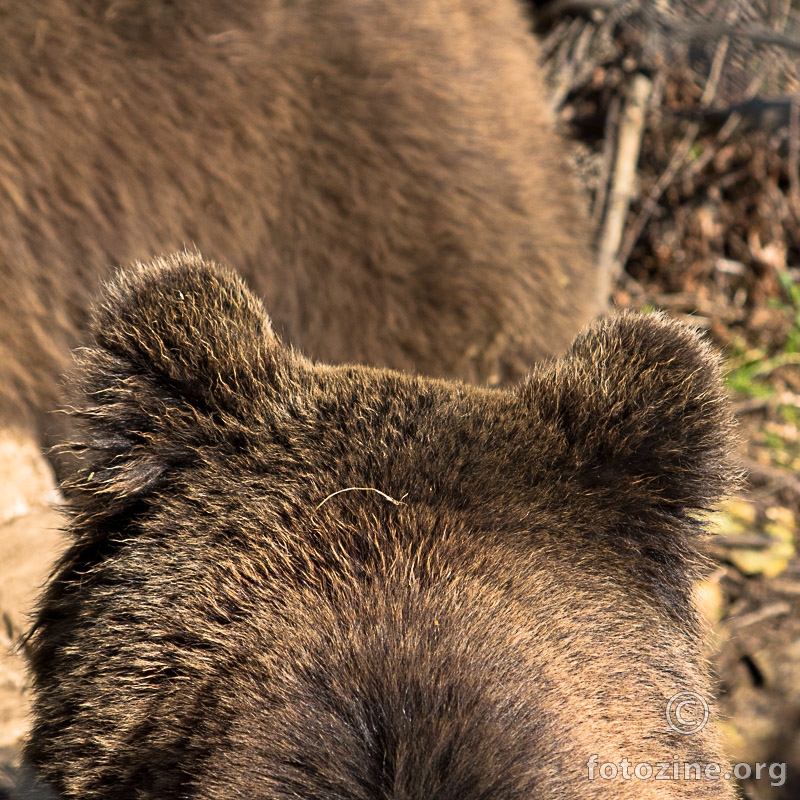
{"x":503,"y":591}
{"x":385,"y":174}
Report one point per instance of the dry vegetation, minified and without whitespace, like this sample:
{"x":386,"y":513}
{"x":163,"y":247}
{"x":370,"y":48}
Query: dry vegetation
{"x":686,"y":118}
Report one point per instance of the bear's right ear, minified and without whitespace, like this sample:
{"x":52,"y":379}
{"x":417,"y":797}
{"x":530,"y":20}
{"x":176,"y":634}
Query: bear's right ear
{"x":181,"y":352}
{"x":637,"y":418}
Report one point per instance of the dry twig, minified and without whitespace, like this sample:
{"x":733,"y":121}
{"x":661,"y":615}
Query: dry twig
{"x":778,"y":609}
{"x":629,"y":144}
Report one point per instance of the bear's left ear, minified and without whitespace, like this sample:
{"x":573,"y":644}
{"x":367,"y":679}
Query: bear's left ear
{"x":635,"y":419}
{"x":182,"y":351}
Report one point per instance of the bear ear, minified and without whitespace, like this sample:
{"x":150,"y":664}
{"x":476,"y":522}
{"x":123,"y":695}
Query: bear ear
{"x":636,"y":418}
{"x":182,"y":352}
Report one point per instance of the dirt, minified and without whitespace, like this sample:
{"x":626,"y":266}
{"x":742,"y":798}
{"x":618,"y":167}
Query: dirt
{"x":30,"y":541}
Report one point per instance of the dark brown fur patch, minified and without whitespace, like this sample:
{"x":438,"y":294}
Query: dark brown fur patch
{"x":502,"y":591}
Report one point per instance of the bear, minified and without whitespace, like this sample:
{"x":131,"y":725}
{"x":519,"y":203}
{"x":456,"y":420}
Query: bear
{"x":386,"y":174}
{"x":292,"y":579}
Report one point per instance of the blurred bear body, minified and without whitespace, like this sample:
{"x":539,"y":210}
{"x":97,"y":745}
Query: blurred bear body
{"x":385,"y":174}
{"x":296,"y":580}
